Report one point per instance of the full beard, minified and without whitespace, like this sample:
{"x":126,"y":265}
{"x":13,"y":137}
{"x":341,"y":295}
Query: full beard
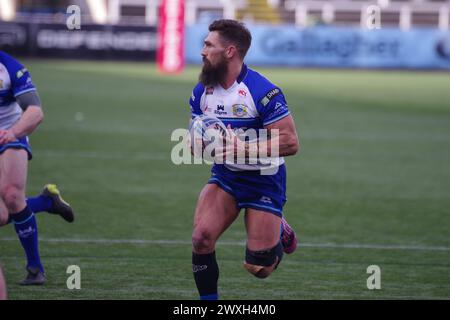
{"x":213,"y":75}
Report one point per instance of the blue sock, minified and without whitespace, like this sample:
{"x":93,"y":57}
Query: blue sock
{"x":37,"y":204}
{"x":40,"y":203}
{"x":26,"y":229}
{"x":210,"y":297}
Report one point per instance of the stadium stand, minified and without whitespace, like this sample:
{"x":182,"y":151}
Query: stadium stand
{"x":395,"y":13}
{"x":303,"y":13}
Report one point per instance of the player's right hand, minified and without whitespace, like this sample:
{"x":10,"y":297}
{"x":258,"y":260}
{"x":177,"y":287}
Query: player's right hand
{"x":7,"y":136}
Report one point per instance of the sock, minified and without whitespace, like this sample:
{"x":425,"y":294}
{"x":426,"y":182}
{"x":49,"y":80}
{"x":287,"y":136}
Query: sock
{"x":40,"y":203}
{"x":37,"y":204}
{"x":206,"y":275}
{"x":26,"y":229}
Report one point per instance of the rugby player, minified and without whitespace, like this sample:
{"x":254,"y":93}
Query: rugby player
{"x":3,"y":293}
{"x":20,"y":115}
{"x":241,"y":98}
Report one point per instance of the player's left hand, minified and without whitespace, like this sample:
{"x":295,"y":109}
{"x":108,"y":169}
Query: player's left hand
{"x":7,"y":136}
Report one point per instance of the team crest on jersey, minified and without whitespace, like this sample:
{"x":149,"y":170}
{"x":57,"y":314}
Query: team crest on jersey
{"x":1,"y":84}
{"x":240,"y":110}
{"x":242,"y":93}
{"x":209,"y":90}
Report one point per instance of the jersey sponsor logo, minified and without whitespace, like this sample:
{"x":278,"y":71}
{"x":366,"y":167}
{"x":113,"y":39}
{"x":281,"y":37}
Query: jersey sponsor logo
{"x":272,"y":93}
{"x":20,"y":73}
{"x":220,"y":110}
{"x":277,"y":112}
{"x":209,"y":90}
{"x":265,"y":101}
{"x":242,"y":93}
{"x":240,"y":110}
{"x":277,"y":105}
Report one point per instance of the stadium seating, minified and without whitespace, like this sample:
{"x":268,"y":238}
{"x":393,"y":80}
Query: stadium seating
{"x":303,"y":13}
{"x":394,"y":13}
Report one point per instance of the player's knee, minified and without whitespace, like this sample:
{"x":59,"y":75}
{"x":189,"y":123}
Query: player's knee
{"x":13,"y":198}
{"x":202,"y":241}
{"x":262,"y":263}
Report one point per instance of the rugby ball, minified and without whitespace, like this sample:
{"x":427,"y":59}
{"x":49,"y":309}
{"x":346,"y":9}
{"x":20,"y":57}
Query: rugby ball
{"x":205,"y":130}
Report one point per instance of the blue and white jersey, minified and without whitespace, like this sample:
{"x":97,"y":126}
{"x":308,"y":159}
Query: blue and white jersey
{"x":14,"y":81}
{"x":251,"y":102}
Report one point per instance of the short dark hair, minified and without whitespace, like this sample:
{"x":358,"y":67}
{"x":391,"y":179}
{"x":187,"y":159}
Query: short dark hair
{"x":235,"y":32}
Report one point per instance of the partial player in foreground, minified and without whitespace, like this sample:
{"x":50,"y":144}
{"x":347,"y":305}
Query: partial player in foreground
{"x":242,"y":99}
{"x":20,"y":115}
{"x":3,"y":292}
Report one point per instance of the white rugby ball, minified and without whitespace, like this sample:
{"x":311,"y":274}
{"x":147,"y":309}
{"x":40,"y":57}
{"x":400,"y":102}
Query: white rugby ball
{"x":205,"y":130}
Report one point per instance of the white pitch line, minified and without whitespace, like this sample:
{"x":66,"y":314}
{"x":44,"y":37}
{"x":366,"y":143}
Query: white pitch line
{"x":240,"y":243}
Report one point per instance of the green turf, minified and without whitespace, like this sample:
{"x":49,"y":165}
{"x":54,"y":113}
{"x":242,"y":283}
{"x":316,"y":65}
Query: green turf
{"x":373,"y":170}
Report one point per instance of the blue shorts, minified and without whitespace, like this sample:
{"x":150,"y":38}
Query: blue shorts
{"x":22,"y":143}
{"x":253,"y":190}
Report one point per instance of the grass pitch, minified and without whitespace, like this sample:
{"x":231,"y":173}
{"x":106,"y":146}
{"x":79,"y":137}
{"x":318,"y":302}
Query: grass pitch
{"x":369,"y":187}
